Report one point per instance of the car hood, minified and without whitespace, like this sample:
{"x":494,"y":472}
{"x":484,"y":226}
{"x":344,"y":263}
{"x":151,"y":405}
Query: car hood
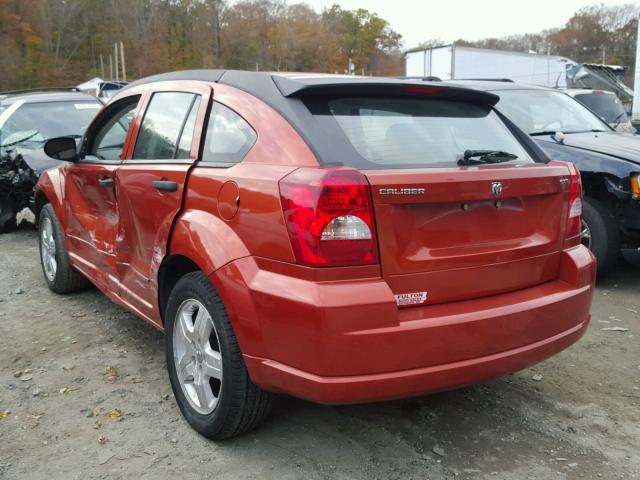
{"x":616,"y":144}
{"x":35,"y":158}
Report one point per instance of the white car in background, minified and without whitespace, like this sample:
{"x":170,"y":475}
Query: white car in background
{"x":606,"y":105}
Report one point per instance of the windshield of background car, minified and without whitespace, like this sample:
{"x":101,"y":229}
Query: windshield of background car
{"x":606,"y":105}
{"x":415,"y":133}
{"x":538,"y":111}
{"x":37,"y":122}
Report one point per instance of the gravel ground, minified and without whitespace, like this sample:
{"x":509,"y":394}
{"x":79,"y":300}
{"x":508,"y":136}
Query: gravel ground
{"x":84,"y":394}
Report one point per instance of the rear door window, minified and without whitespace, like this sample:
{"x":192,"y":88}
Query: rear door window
{"x":167,"y":128}
{"x":415,"y":133}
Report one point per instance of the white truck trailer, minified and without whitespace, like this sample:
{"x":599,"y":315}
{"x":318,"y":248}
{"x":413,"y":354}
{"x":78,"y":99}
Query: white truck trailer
{"x":465,"y":63}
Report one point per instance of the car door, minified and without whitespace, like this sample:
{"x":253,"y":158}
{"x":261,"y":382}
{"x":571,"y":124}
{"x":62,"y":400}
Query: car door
{"x":91,"y":204}
{"x":150,"y":185}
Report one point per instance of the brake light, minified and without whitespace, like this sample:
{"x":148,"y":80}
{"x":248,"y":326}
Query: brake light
{"x":329,"y":217}
{"x":424,"y":89}
{"x":574,"y":218}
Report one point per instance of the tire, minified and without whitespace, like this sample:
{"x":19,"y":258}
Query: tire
{"x":58,"y":272}
{"x":7,"y":216}
{"x":209,"y":357}
{"x":604,"y":233}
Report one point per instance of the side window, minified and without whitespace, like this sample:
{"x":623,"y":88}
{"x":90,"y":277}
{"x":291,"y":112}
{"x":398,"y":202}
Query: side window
{"x":109,"y":141}
{"x":229,"y":137}
{"x":162,"y":133}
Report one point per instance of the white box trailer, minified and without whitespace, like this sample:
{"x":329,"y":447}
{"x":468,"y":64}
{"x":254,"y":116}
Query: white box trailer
{"x":463,"y":63}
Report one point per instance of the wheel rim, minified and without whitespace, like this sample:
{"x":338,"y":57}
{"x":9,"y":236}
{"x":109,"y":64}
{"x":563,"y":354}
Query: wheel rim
{"x":585,"y":235}
{"x":48,"y":249}
{"x":197,"y":357}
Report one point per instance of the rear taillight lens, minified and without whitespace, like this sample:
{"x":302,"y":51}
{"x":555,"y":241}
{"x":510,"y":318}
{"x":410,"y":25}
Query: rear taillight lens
{"x":574,"y":219}
{"x":329,"y":217}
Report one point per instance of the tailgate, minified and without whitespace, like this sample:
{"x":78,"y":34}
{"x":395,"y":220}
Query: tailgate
{"x":448,"y":234}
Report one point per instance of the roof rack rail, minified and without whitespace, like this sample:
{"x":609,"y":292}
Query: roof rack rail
{"x":43,"y":89}
{"x":506,"y":80}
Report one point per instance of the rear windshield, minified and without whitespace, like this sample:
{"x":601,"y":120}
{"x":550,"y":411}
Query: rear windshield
{"x":606,"y":105}
{"x":415,"y":133}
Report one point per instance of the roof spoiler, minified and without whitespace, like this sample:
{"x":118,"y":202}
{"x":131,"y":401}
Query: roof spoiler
{"x":306,"y":86}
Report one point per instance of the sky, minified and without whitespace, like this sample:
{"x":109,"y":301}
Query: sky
{"x":449,"y":20}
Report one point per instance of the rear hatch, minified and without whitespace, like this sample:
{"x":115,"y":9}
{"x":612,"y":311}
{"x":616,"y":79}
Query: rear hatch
{"x":452,"y":233}
{"x":451,"y":225}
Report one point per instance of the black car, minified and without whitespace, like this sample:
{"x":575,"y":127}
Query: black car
{"x":609,"y":162}
{"x":27,"y":121}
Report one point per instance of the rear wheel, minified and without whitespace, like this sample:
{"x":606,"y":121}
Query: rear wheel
{"x":206,"y":369}
{"x":60,"y":275}
{"x":600,"y":234}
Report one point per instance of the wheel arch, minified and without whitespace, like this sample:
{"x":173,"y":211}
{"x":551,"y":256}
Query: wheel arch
{"x":200,"y":241}
{"x":49,"y":191}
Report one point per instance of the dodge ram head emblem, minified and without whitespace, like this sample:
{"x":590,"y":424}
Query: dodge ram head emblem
{"x":496,"y":188}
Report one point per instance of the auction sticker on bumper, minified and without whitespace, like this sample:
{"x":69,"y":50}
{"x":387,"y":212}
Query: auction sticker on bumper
{"x":415,"y":298}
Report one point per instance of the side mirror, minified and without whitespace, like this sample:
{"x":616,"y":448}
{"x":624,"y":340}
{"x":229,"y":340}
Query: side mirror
{"x":62,"y":148}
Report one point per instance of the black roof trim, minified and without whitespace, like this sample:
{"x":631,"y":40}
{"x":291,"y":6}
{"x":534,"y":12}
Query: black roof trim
{"x":195,"y":75}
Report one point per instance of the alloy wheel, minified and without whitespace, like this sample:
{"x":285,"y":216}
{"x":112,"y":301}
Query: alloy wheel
{"x":48,"y":249}
{"x":197,"y":356}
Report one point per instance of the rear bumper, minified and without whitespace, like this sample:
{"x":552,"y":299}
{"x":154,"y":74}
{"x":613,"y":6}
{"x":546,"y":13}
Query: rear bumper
{"x":406,"y":383}
{"x":346,"y":341}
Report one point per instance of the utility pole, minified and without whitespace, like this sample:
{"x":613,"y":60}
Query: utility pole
{"x":115,"y":47}
{"x":110,"y":67}
{"x":604,"y":56}
{"x":124,"y":71}
{"x":635,"y":115}
{"x":101,"y":67}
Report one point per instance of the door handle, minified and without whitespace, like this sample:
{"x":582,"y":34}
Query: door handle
{"x":165,"y":185}
{"x":106,"y":182}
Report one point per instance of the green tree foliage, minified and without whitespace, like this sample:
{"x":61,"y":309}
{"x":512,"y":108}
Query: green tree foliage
{"x":61,"y":42}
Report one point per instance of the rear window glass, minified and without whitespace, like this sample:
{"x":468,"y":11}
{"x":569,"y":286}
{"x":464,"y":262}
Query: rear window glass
{"x":416,"y":133}
{"x":607,"y":106}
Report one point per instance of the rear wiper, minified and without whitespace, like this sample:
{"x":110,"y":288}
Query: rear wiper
{"x":475,"y":157}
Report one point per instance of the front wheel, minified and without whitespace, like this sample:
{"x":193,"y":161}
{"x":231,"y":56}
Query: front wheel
{"x":600,"y":233}
{"x":7,"y":216}
{"x":60,"y":275}
{"x":206,"y":369}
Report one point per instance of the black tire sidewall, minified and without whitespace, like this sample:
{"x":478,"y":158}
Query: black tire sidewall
{"x":7,"y":216}
{"x":189,"y":287}
{"x":604,"y":233}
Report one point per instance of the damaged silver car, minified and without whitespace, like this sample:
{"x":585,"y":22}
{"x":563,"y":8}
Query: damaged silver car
{"x":27,"y":121}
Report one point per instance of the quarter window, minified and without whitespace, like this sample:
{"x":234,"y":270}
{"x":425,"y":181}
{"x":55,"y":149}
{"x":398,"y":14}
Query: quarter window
{"x":229,"y":137}
{"x":166,"y":131}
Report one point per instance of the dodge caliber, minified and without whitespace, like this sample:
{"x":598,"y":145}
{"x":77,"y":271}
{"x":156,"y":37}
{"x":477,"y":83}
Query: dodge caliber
{"x":339,"y":239}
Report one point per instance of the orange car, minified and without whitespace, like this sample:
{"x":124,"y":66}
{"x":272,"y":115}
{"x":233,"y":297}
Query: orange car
{"x":340,"y":239}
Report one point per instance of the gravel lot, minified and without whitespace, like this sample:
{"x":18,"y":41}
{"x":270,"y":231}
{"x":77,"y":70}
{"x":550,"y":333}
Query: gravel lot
{"x":88,"y":397}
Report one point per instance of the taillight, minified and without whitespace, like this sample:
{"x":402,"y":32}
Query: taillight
{"x":329,"y":217}
{"x":574,"y":219}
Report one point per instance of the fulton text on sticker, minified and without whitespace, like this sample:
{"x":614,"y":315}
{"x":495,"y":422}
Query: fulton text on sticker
{"x":415,"y":298}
